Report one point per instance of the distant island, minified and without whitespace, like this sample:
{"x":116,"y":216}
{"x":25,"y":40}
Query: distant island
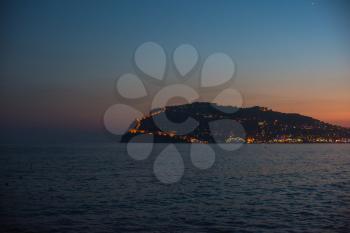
{"x":260,"y":124}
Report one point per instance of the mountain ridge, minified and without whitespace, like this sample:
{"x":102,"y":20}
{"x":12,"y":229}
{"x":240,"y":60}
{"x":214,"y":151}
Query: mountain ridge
{"x":249,"y":125}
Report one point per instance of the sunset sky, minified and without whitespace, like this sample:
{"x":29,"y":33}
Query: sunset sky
{"x":60,"y":59}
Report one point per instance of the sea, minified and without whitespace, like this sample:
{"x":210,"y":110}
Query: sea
{"x":101,"y":188}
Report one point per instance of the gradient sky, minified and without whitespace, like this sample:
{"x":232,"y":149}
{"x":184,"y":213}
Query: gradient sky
{"x":60,"y":59}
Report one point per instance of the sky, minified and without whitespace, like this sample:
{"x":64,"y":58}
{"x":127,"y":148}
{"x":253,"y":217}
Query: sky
{"x":60,"y":59}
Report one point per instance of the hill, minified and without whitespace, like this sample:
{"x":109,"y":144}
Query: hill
{"x":223,"y":124}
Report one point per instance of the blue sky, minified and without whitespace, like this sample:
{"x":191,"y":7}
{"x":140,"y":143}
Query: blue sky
{"x":60,"y":59}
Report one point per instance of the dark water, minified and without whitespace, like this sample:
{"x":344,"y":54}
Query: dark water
{"x":99,"y":188}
